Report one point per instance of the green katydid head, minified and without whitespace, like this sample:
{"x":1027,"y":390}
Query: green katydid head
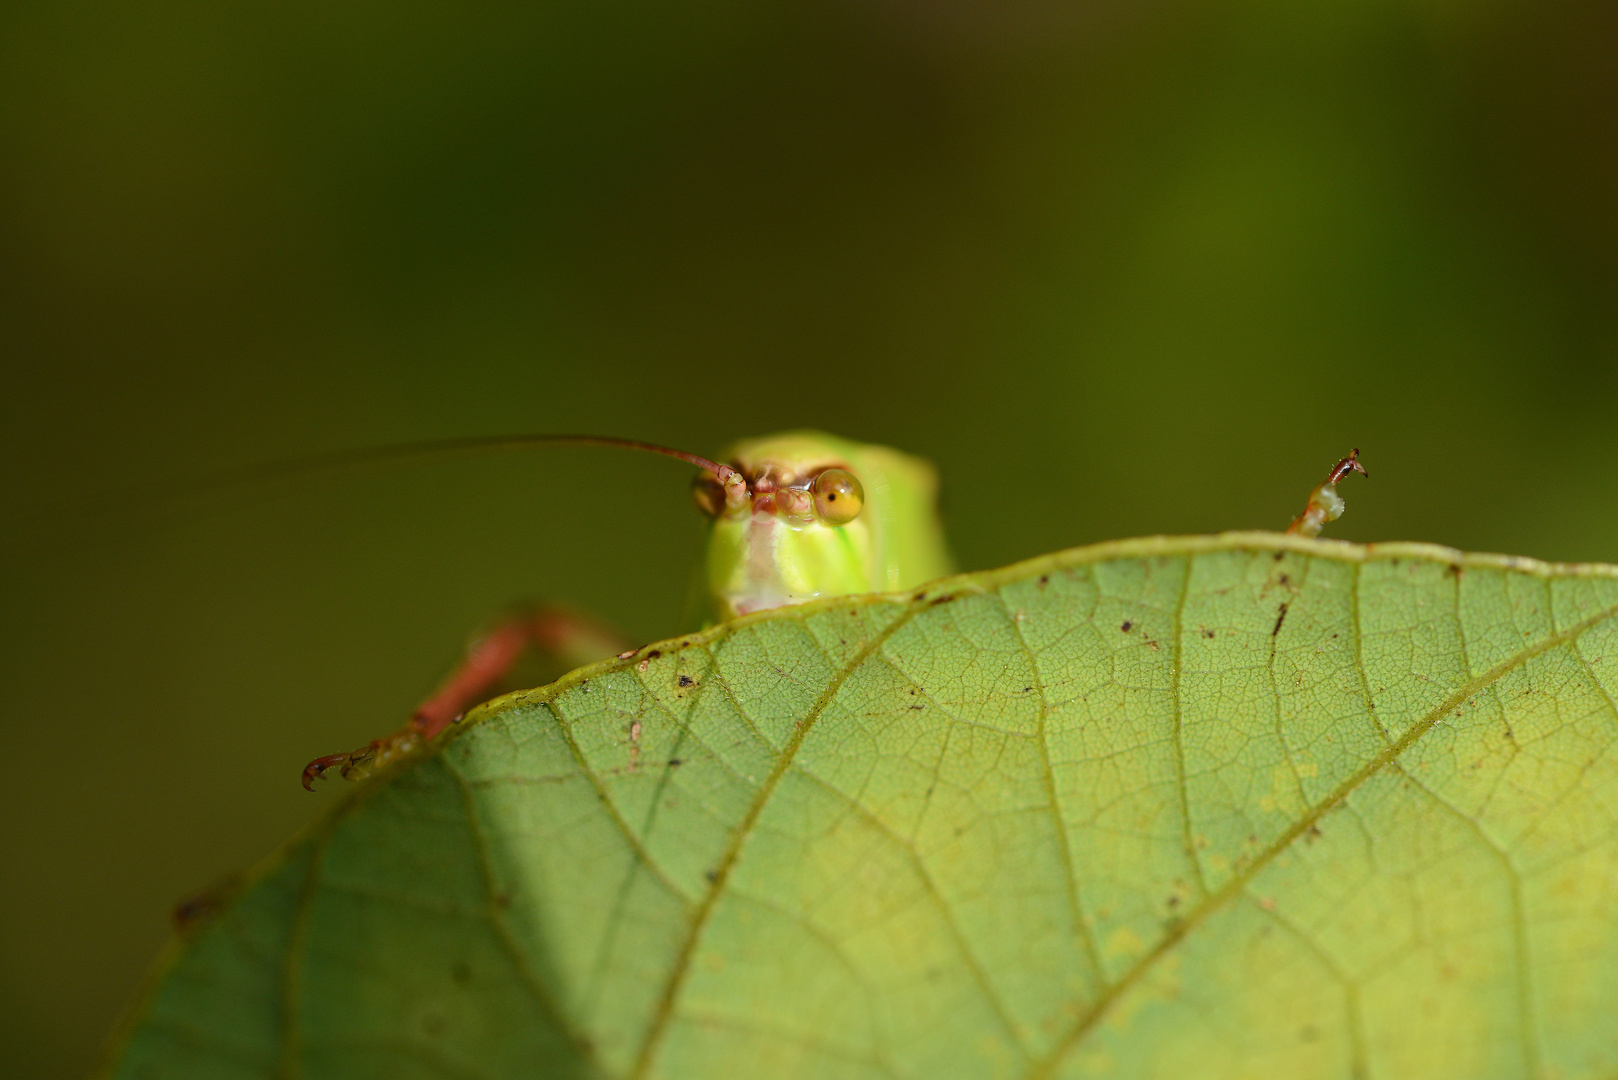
{"x":803,"y":515}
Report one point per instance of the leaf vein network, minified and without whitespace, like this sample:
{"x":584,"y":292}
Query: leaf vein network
{"x":940,"y":901}
{"x":1081,"y":921}
{"x":682,"y":964}
{"x":1047,"y":1066}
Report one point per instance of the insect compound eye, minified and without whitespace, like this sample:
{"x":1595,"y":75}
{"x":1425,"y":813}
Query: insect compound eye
{"x":839,"y":498}
{"x":708,"y":493}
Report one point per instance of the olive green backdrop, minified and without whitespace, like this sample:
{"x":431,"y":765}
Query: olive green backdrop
{"x":1117,"y":268}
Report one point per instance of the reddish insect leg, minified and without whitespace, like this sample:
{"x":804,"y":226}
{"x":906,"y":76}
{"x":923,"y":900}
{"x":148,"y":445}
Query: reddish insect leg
{"x":487,"y":659}
{"x":567,"y":636}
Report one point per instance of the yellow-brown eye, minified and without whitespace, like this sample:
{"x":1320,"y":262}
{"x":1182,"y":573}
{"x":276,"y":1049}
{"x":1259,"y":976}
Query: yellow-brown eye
{"x":839,"y":498}
{"x":708,"y":493}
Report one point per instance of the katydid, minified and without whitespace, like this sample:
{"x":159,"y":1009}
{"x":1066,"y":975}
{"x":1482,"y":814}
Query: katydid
{"x":795,"y":517}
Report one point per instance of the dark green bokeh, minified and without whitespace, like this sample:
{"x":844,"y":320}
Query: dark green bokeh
{"x":1118,"y":269}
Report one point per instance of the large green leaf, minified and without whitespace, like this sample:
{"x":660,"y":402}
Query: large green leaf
{"x":1241,"y":805}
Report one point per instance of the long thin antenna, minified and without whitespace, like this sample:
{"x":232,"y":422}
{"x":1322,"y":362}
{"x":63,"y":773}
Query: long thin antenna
{"x":67,"y":518}
{"x":335,"y":460}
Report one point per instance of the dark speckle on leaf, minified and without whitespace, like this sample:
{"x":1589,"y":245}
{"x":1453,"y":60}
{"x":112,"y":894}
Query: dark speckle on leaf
{"x":675,"y":761}
{"x":686,"y":680}
{"x":200,"y":908}
{"x":1280,"y":617}
{"x":1127,"y":626}
{"x":654,"y":654}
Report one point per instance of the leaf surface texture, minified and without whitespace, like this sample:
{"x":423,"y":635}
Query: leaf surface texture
{"x":1224,"y":806}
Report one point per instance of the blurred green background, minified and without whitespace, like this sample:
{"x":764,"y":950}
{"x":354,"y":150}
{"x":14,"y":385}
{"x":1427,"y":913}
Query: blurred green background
{"x":1117,"y":268}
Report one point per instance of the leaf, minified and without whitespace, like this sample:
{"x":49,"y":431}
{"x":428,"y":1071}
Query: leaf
{"x":1238,"y":805}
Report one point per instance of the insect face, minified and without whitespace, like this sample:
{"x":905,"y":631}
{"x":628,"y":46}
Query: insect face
{"x":822,"y":517}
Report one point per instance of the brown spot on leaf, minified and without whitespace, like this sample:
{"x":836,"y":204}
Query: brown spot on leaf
{"x":686,"y":680}
{"x":1127,"y":626}
{"x":200,"y":908}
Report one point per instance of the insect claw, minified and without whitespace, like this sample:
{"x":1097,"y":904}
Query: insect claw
{"x":358,"y":764}
{"x":317,"y":768}
{"x":1349,"y":464}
